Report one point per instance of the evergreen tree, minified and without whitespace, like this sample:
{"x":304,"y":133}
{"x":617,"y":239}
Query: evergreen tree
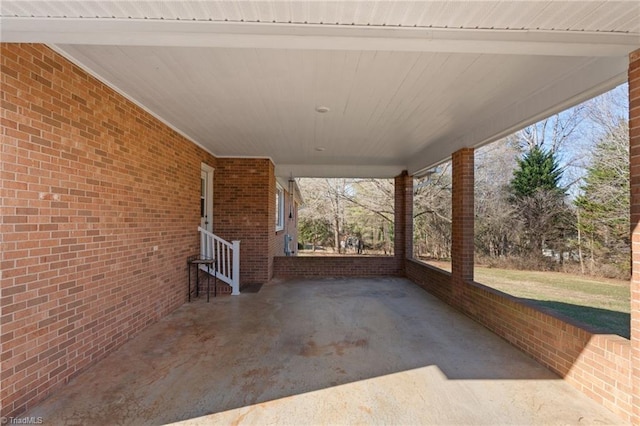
{"x":537,"y":170}
{"x":316,"y":231}
{"x":538,"y":202}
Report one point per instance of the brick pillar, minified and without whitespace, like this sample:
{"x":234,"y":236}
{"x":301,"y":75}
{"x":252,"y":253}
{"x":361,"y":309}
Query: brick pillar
{"x":403,"y":219}
{"x":244,"y":198}
{"x":462,"y":221}
{"x":634,"y":165}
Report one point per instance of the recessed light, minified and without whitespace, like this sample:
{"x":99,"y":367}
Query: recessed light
{"x":322,"y":109}
{"x":320,"y":149}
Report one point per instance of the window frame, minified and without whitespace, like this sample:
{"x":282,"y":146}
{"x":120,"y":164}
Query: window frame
{"x":279,"y":207}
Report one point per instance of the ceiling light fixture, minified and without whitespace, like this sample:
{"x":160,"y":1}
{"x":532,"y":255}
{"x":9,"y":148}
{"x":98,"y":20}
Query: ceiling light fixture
{"x":322,"y":109}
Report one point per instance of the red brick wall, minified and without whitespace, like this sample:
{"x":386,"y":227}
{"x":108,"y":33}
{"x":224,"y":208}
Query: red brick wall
{"x":403,"y":218}
{"x":462,"y":212}
{"x":634,"y":154}
{"x":334,"y":266}
{"x":270,"y":228}
{"x":244,"y":209}
{"x":100,"y":209}
{"x":598,"y":365}
{"x":434,"y":280}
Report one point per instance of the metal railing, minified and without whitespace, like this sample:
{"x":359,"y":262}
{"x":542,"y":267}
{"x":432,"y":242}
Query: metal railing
{"x":226,"y":255}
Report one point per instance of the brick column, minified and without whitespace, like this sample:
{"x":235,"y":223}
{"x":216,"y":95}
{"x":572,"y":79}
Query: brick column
{"x":462,"y":221}
{"x":244,"y":198}
{"x":403,"y":219}
{"x":634,"y":166}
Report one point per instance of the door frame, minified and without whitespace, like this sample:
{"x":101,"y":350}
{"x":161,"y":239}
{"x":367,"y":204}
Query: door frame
{"x":208,"y":196}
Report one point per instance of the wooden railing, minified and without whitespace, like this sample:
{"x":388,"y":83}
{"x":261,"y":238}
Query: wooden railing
{"x":226,"y":255}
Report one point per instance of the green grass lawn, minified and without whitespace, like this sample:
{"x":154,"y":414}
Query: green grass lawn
{"x":600,"y":303}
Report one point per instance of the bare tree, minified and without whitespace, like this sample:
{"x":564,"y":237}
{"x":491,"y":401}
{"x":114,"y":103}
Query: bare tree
{"x":495,"y":228}
{"x":432,"y":214}
{"x":361,"y":209}
{"x":553,"y":133}
{"x":323,"y":203}
{"x":371,"y":212}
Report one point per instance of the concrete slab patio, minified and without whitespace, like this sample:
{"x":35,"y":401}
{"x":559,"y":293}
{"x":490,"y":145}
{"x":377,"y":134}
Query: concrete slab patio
{"x":328,"y":351}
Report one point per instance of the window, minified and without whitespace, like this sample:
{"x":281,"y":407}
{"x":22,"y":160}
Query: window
{"x":279,"y":208}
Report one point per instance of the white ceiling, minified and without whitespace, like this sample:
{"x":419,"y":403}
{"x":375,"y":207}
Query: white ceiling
{"x":407,"y":83}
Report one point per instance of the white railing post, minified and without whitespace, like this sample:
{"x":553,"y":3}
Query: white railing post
{"x":236,"y":268}
{"x":203,"y":244}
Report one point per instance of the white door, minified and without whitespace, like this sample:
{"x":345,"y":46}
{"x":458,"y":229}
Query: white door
{"x":206,"y":198}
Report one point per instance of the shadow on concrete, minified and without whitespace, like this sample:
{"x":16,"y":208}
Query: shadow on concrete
{"x":378,"y":345}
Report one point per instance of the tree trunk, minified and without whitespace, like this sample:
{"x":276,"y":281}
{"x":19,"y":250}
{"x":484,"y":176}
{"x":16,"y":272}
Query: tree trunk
{"x":385,"y":236}
{"x":592,"y":262}
{"x":580,"y":243}
{"x":336,"y":233}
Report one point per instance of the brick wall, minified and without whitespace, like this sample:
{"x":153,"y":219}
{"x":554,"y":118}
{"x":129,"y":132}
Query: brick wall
{"x":462,"y":216}
{"x":434,"y":280}
{"x":634,"y":154}
{"x":270,"y":227}
{"x":244,"y":203}
{"x":598,"y":365}
{"x":100,"y":209}
{"x":334,"y":266}
{"x":403,"y":218}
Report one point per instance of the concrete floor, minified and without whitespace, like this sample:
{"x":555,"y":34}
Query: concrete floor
{"x":357,"y":351}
